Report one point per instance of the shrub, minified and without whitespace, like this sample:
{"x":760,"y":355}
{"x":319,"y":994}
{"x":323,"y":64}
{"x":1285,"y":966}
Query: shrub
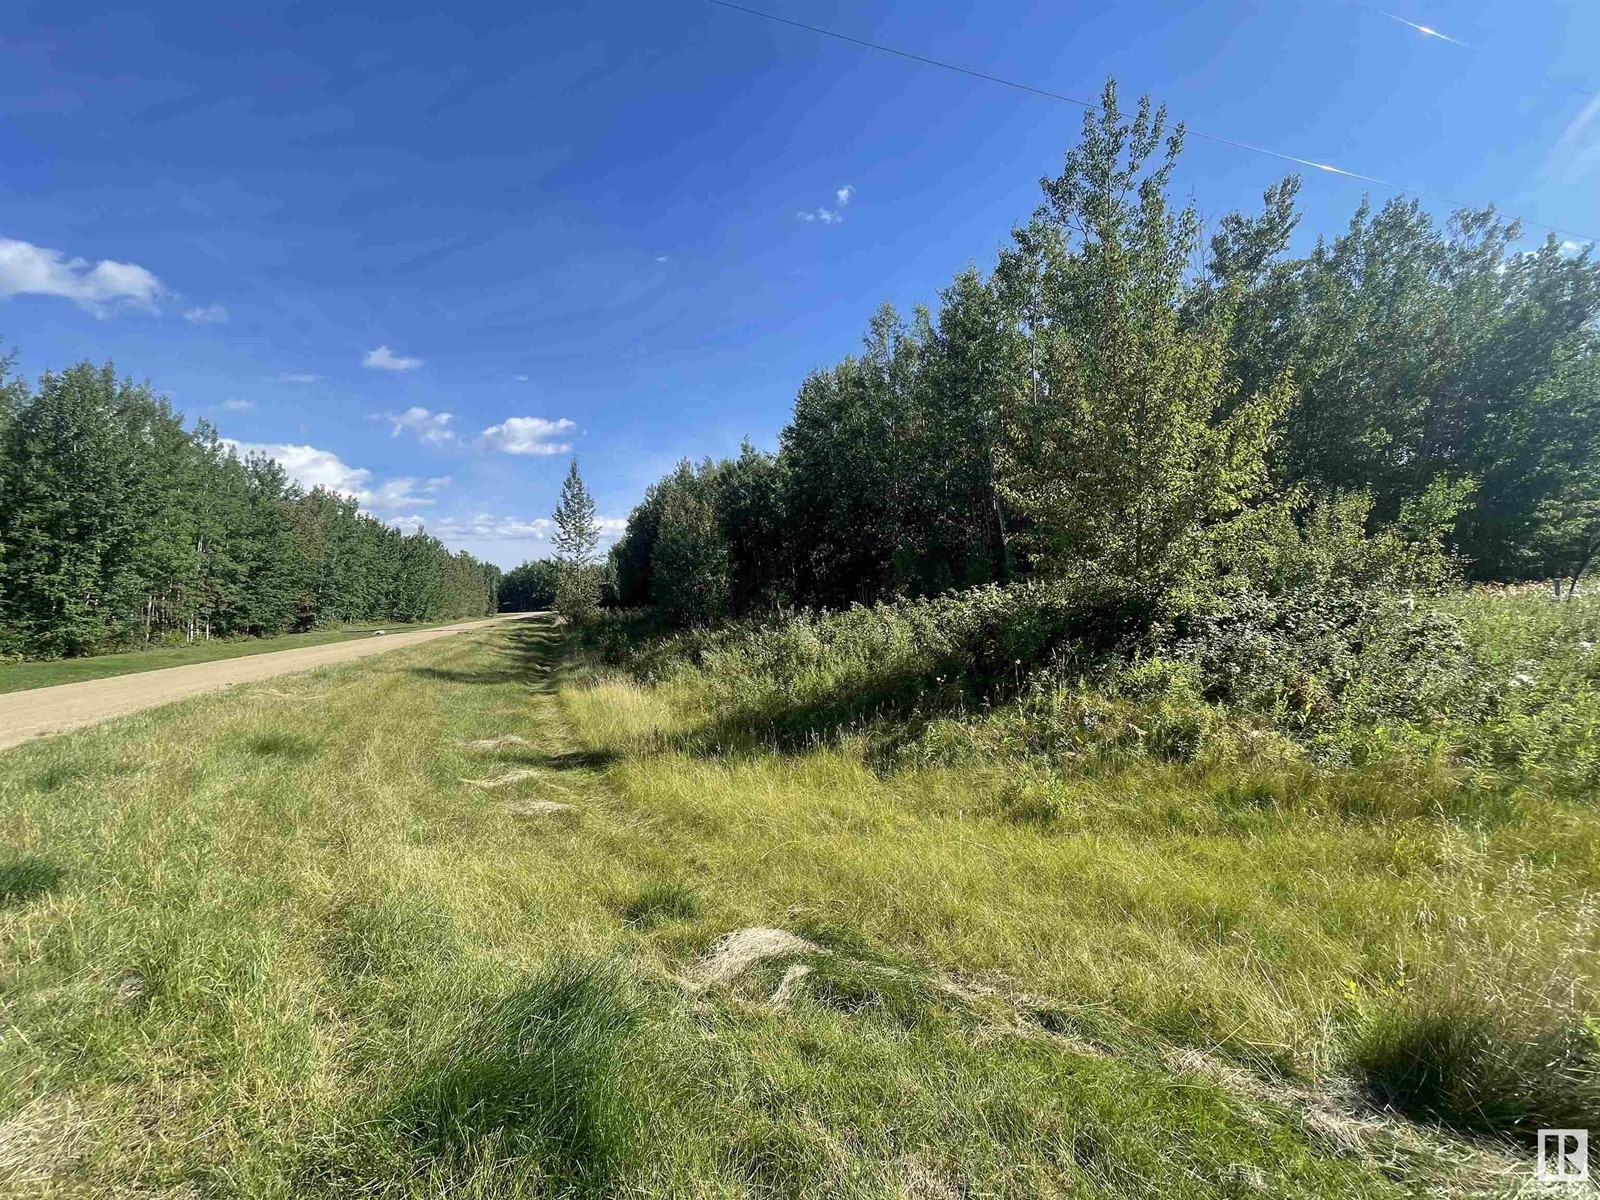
{"x":578,"y":591}
{"x":1297,"y":648}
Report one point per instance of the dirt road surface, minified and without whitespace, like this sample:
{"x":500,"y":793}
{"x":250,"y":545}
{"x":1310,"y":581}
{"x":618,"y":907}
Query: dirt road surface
{"x":43,"y":711}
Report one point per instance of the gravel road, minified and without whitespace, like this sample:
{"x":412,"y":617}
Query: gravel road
{"x":43,"y":711}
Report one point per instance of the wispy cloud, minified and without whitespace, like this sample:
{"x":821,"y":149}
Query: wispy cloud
{"x":238,"y":406}
{"x":206,"y":314}
{"x":312,"y":468}
{"x":385,"y":359}
{"x":100,"y":289}
{"x":431,"y":428}
{"x":661,"y":258}
{"x":520,"y":378}
{"x":1578,"y":147}
{"x":301,"y":377}
{"x":829,"y":216}
{"x":527,"y":435}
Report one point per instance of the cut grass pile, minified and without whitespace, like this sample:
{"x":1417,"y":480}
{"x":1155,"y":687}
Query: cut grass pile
{"x":267,"y":943}
{"x":24,"y":676}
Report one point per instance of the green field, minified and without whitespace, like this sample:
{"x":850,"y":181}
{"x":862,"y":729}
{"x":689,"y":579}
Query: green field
{"x":23,"y":676}
{"x":278,"y":943}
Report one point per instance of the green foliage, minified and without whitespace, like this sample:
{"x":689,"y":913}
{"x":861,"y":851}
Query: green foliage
{"x":1316,"y":644}
{"x":1130,"y":441}
{"x":121,"y":529}
{"x":578,"y":580}
{"x":1114,"y":398}
{"x":25,"y":878}
{"x":530,"y":587}
{"x":689,"y":575}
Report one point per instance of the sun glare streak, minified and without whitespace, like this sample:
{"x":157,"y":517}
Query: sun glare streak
{"x":1426,"y":30}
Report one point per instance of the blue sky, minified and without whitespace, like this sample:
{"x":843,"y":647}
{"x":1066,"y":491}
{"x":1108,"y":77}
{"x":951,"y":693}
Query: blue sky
{"x":584,"y":225}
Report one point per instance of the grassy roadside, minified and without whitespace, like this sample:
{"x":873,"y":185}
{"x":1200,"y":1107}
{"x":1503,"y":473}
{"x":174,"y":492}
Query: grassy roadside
{"x":268,"y":943}
{"x":24,"y":676}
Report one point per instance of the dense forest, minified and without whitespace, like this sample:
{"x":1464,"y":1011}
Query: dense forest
{"x":121,"y":528}
{"x":1121,"y":396}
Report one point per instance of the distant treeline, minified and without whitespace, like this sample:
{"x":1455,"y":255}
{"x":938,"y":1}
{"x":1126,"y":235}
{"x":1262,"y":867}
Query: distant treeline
{"x":120,"y":528}
{"x":530,"y":587}
{"x":1119,"y":389}
{"x":534,"y":585}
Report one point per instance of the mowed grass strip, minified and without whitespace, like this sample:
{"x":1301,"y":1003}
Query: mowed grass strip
{"x":269,"y":944}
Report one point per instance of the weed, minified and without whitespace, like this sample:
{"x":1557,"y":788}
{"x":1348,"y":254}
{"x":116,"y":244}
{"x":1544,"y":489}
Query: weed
{"x":58,"y":775}
{"x":26,"y":878}
{"x":861,"y":989}
{"x":541,"y":1073}
{"x":391,"y":935}
{"x":291,"y":747}
{"x":1481,"y":1061}
{"x":663,"y":900}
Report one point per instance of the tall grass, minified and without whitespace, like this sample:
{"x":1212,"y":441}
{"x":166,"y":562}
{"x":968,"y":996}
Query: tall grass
{"x":268,"y":943}
{"x":539,"y":1075}
{"x":1273,"y":718}
{"x":1498,"y":682}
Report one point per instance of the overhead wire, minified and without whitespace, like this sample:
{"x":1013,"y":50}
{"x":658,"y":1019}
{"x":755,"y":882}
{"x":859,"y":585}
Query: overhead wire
{"x":1088,"y":106}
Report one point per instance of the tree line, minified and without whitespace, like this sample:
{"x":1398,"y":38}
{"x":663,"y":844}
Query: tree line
{"x":1120,"y":390}
{"x":120,"y":528}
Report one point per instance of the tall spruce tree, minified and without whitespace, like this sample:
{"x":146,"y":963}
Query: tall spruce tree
{"x":576,"y":539}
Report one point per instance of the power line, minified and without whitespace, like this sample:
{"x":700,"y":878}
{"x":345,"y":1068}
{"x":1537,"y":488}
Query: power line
{"x":1328,"y":168}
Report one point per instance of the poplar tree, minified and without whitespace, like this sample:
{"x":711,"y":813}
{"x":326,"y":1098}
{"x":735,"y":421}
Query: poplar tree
{"x":1128,"y":439}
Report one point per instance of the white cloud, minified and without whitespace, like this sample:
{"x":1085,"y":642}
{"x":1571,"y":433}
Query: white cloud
{"x":313,"y":468}
{"x":431,"y":428}
{"x":437,"y":483}
{"x":394,"y":493}
{"x":301,"y":378}
{"x":310,"y":467}
{"x":661,"y":258}
{"x":489,"y":528}
{"x":520,"y":378}
{"x":385,"y":359}
{"x":829,"y":216}
{"x":207,"y":314}
{"x":527,"y":435}
{"x":414,"y":520}
{"x":26,"y":269}
{"x":238,"y":406}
